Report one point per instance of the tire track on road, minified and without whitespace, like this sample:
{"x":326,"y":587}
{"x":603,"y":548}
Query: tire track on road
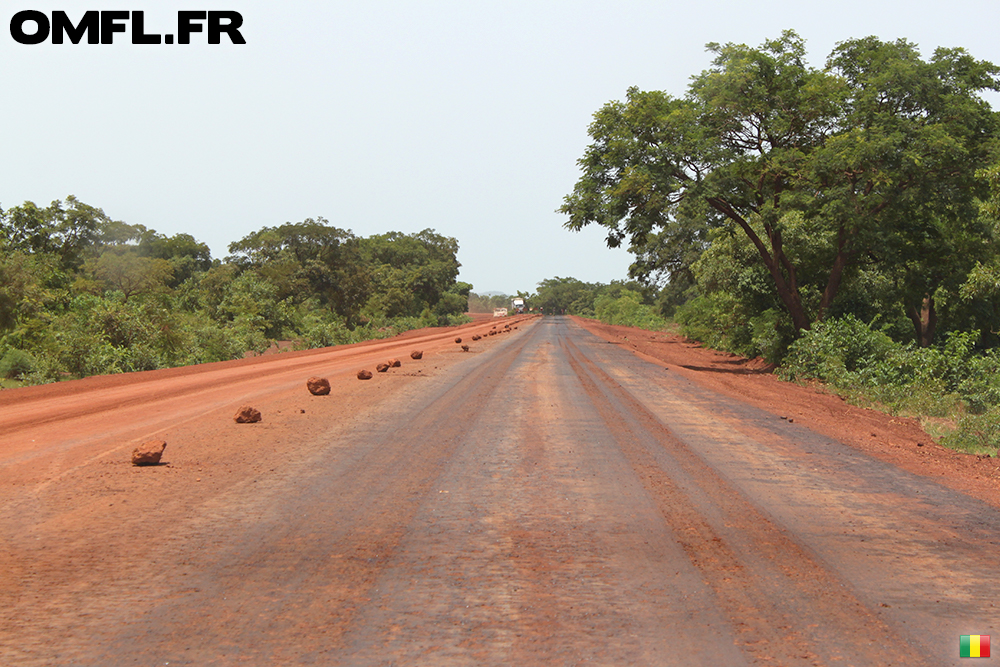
{"x":786,"y":607}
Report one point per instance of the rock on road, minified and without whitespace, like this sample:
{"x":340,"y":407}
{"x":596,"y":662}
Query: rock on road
{"x":549,"y":499}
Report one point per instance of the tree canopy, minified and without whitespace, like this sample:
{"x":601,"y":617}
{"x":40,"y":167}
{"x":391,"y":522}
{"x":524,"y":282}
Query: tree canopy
{"x":872,"y":160}
{"x":81,"y":293}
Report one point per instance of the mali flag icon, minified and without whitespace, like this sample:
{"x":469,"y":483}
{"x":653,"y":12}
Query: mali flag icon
{"x":974,"y":646}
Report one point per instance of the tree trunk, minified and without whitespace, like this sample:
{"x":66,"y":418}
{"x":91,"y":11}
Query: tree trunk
{"x":924,"y":321}
{"x":836,"y":274}
{"x":789,"y":297}
{"x":788,"y":290}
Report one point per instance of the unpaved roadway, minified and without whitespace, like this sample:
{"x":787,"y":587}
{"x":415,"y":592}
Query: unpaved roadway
{"x":547,"y":498}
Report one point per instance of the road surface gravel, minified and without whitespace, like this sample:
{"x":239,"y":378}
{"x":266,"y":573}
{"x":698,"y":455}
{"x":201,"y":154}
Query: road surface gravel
{"x":551,"y":497}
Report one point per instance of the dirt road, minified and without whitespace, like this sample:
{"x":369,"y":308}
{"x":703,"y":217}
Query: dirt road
{"x":546,"y":498}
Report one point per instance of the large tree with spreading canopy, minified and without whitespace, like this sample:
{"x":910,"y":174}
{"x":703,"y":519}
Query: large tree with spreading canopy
{"x":872,"y":158}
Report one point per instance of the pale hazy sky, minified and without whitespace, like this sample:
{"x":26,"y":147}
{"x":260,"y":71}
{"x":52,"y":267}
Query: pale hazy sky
{"x":465,"y":117}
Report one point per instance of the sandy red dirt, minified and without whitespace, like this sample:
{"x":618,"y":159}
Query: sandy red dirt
{"x":897,"y":440}
{"x":534,"y":508}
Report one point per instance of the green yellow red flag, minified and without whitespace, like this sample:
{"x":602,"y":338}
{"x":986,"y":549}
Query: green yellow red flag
{"x":974,"y":646}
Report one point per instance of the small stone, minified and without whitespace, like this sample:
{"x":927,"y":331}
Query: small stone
{"x":148,"y":453}
{"x":318,"y":386}
{"x":394,"y":363}
{"x":465,"y":348}
{"x":382,"y":367}
{"x":247,"y":415}
{"x":364,"y":375}
{"x":416,"y":354}
{"x":458,"y":340}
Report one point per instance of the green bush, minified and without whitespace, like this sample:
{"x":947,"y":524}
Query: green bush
{"x":722,"y":322}
{"x":952,"y":380}
{"x":319,"y":332}
{"x":845,"y":350}
{"x":16,"y":364}
{"x":771,"y":334}
{"x":976,"y":434}
{"x":628,"y":310}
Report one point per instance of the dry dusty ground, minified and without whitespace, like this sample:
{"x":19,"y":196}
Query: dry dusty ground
{"x":897,"y":440}
{"x":546,"y":498}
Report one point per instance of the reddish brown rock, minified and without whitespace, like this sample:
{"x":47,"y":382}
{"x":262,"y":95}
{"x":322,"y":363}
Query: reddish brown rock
{"x":394,"y":363}
{"x":148,"y":453}
{"x":364,"y":375}
{"x":318,"y":386}
{"x":382,"y":367}
{"x":458,"y":340}
{"x":416,"y":354}
{"x":247,"y":415}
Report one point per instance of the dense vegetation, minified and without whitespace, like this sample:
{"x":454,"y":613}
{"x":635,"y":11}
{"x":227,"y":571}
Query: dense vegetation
{"x":844,"y":221}
{"x":625,"y":303}
{"x":82,"y":294}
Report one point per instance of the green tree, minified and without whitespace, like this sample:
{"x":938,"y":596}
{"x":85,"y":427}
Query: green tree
{"x":410,"y":272}
{"x":65,"y":229}
{"x":122,"y":269}
{"x":816,"y":168}
{"x":27,"y":292}
{"x":557,"y":295}
{"x":186,"y":255}
{"x":309,"y":258}
{"x":991,"y":176}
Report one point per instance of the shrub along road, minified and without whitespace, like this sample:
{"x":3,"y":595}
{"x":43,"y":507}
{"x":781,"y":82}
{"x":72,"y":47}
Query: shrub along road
{"x":546,"y":498}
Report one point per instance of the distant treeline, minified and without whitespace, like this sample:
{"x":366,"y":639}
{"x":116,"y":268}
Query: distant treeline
{"x":486,"y":303}
{"x":82,"y":294}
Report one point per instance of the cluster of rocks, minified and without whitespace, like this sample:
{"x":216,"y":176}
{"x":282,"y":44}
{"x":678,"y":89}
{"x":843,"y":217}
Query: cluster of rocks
{"x":384,"y":366}
{"x":494,"y":331}
{"x":149,"y":453}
